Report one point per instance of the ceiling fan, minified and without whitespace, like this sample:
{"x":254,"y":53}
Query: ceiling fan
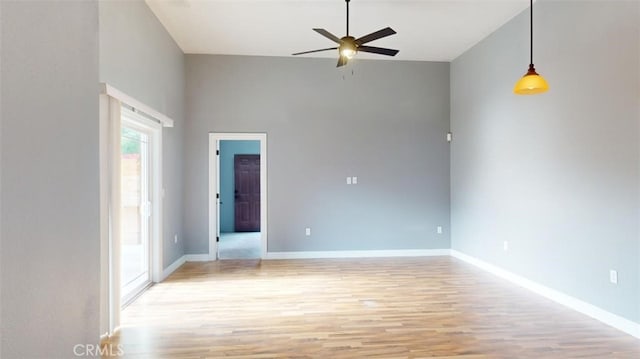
{"x":348,"y":46}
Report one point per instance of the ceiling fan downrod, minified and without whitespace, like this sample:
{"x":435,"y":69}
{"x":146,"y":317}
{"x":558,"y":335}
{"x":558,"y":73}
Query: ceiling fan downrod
{"x":347,"y":1}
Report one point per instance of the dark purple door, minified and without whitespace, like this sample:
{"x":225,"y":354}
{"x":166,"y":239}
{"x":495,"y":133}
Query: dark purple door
{"x":247,"y":193}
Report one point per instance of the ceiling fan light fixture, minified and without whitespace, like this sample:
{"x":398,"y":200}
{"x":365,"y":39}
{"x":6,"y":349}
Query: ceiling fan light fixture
{"x":348,"y":53}
{"x":348,"y":47}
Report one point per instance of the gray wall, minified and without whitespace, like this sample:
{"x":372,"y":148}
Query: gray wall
{"x":228,"y":150}
{"x":139,"y":57}
{"x":386,"y":124}
{"x":50,"y":194}
{"x":556,"y":175}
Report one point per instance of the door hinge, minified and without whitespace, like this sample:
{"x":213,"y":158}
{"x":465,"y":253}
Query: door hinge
{"x":217,"y":195}
{"x":217,"y":152}
{"x":217,"y":239}
{"x":449,"y":136}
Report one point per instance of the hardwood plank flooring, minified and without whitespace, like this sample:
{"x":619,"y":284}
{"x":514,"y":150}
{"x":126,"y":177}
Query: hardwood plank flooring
{"x":431,"y":307}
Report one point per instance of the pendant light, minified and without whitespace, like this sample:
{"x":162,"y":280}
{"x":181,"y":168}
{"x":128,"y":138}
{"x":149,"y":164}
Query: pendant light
{"x":531,"y":83}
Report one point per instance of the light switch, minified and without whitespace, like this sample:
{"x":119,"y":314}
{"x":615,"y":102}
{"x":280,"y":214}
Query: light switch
{"x":613,"y":276}
{"x":439,"y":229}
{"x":354,"y":180}
{"x":307,"y":231}
{"x":348,"y":180}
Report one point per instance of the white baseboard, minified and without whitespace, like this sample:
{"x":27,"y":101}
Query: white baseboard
{"x":180,"y":261}
{"x":198,"y":258}
{"x":591,"y":310}
{"x":170,"y":269}
{"x":358,"y":254}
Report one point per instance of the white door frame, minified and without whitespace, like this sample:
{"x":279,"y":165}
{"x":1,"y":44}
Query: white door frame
{"x":214,"y":187}
{"x":112,"y":105}
{"x":111,"y":304}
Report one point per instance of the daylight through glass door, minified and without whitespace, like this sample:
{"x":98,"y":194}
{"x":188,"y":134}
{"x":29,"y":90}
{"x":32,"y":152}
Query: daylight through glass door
{"x":136,"y":207}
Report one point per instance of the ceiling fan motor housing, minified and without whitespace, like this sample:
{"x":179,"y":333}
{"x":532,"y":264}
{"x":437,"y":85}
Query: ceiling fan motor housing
{"x":348,"y":46}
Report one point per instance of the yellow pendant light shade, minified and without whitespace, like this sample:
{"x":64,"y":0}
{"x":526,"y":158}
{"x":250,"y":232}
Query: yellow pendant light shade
{"x":531,"y":83}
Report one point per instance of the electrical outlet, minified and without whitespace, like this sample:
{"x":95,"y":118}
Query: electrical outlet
{"x":613,"y":276}
{"x":354,"y":180}
{"x":505,"y":246}
{"x":439,"y":229}
{"x":175,"y":239}
{"x":348,"y":180}
{"x":307,"y":231}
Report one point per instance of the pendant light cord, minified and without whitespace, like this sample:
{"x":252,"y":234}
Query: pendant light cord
{"x":531,"y":28}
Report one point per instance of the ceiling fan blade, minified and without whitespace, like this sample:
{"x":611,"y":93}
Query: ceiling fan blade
{"x":378,"y":50}
{"x":342,"y":60}
{"x":308,"y":52}
{"x":375,"y":35}
{"x":328,"y":35}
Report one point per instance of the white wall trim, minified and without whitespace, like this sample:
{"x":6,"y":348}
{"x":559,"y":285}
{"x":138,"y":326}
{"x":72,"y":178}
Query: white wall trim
{"x":578,"y":305}
{"x":197,"y":258}
{"x":358,"y":254}
{"x":172,"y":268}
{"x":105,"y":196}
{"x":128,"y":100}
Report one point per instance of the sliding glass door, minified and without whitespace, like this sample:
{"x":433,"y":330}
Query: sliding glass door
{"x":135,"y":212}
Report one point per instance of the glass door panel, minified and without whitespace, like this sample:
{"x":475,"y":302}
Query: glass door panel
{"x":135,"y":266}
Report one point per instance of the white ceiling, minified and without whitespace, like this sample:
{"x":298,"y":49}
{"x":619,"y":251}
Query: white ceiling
{"x":428,"y":30}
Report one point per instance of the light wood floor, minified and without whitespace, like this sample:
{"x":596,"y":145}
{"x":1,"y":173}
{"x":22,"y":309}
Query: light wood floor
{"x":432,"y":307}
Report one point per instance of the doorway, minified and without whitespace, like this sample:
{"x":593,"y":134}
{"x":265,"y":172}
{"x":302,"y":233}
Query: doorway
{"x":130,"y":202}
{"x":237,"y":207}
